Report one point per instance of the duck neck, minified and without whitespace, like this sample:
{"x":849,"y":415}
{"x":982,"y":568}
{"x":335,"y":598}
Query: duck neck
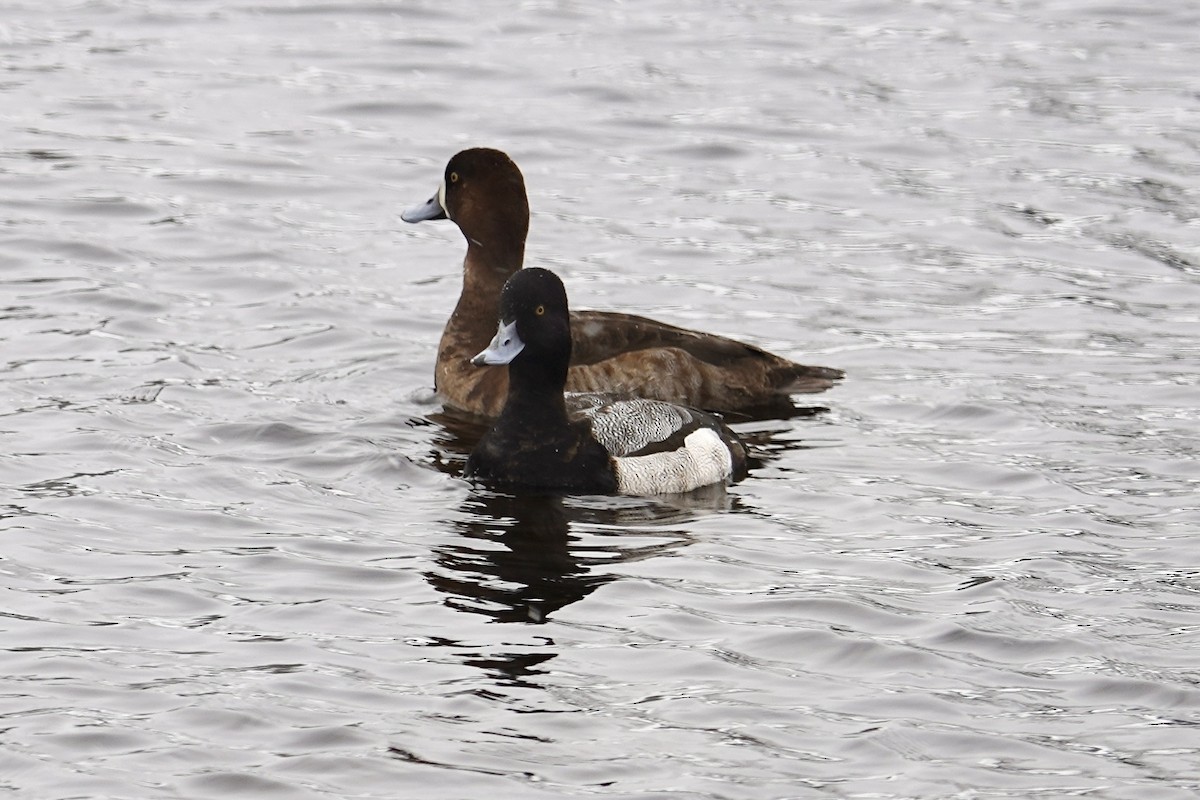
{"x":535,"y":390}
{"x":495,"y":236}
{"x":495,"y":250}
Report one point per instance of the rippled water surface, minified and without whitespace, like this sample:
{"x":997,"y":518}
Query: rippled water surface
{"x":237,"y":560}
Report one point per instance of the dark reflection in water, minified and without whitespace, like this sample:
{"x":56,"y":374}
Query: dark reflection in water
{"x":523,"y":557}
{"x":512,"y":669}
{"x":455,"y":437}
{"x":513,"y":562}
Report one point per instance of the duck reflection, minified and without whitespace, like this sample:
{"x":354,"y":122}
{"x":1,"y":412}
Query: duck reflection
{"x":513,"y":562}
{"x":520,"y":558}
{"x":454,"y":436}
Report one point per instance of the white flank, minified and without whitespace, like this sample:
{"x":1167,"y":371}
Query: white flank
{"x":702,"y":460}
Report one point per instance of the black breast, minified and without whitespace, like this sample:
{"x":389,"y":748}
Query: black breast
{"x":565,"y":460}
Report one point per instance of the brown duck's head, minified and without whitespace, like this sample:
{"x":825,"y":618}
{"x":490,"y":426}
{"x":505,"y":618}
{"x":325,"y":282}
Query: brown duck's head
{"x":482,"y":191}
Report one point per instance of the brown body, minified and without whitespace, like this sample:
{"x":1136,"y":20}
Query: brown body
{"x":615,"y":353}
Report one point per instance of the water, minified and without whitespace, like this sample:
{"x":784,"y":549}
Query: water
{"x":237,"y":560}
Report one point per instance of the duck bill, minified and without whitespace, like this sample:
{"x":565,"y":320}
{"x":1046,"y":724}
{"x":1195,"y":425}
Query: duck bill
{"x":433,"y":208}
{"x":505,"y":346}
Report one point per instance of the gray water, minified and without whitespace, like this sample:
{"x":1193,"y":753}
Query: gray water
{"x":237,"y":560}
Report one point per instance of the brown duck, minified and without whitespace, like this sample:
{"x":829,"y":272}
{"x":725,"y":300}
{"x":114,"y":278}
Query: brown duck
{"x":483,"y":192}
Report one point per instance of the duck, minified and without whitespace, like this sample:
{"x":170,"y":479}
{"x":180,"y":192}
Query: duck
{"x":483,"y":192}
{"x":546,"y":440}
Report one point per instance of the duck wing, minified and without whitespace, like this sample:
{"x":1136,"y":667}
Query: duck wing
{"x":632,"y":427}
{"x":632,"y":356}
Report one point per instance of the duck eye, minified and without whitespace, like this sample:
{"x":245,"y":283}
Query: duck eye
{"x":454,"y":177}
{"x":540,"y":310}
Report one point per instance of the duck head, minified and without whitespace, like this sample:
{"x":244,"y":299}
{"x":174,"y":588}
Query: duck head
{"x":483,"y":192}
{"x":534,"y":324}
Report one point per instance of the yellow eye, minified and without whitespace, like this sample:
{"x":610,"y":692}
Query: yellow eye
{"x":454,"y":177}
{"x":540,"y":310}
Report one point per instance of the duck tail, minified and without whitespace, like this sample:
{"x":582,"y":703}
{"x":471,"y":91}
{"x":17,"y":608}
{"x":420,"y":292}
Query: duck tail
{"x":802,"y":379}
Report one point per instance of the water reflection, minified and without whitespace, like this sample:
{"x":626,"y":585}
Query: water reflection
{"x":513,"y":562}
{"x":520,"y":558}
{"x":455,"y":435}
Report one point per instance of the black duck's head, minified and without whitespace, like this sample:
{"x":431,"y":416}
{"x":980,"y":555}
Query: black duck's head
{"x":534,"y":322}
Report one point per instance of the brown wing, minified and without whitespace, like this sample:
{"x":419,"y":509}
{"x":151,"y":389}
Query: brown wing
{"x":633,"y":357}
{"x":639,"y":357}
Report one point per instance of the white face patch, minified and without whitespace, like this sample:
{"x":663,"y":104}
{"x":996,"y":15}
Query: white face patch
{"x":442,"y":199}
{"x":704,"y":459}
